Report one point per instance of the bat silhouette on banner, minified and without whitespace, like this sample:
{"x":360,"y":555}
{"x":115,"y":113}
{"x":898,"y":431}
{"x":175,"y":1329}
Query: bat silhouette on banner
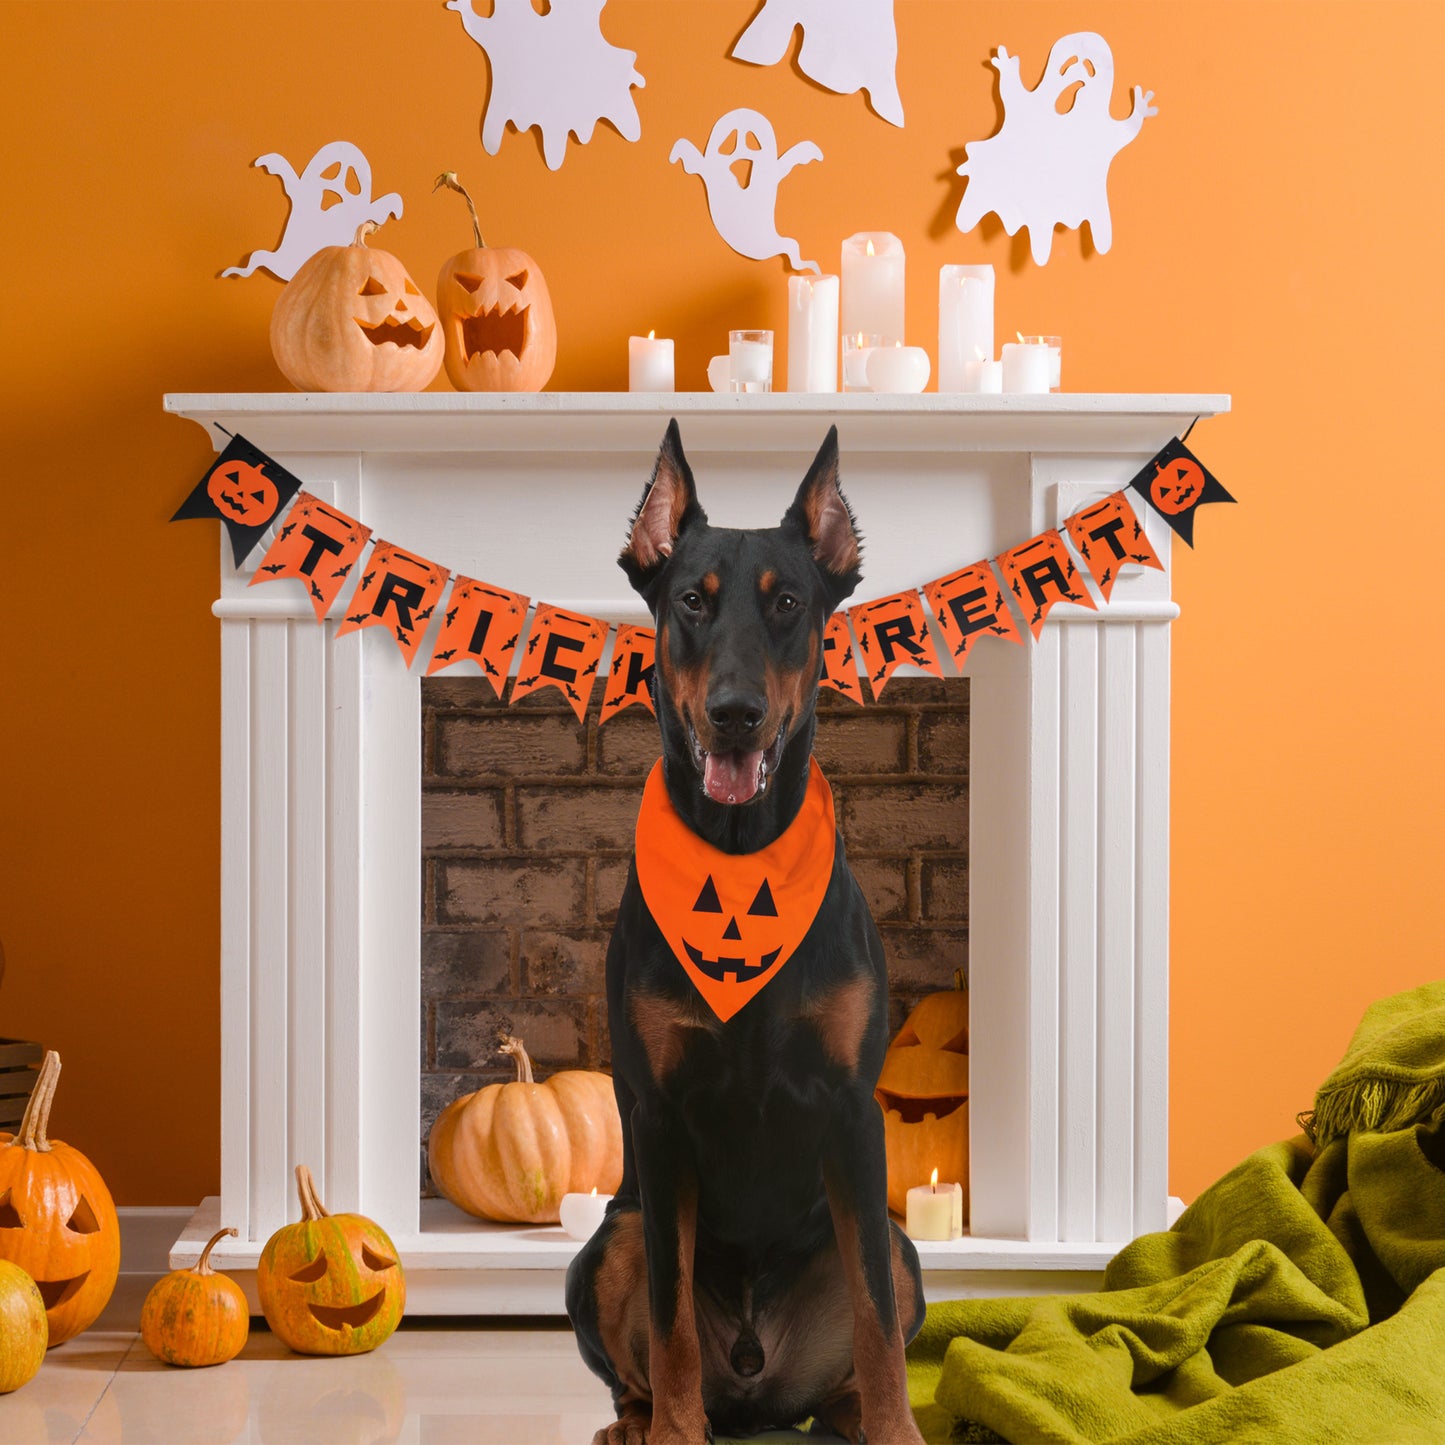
{"x":1041,"y":573}
{"x":482,"y":624}
{"x":398,"y":590}
{"x":1108,"y":536}
{"x":563,"y":650}
{"x":245,"y":489}
{"x":1176,"y":484}
{"x":629,"y":678}
{"x":969,"y":604}
{"x":892,"y":631}
{"x":840,"y":661}
{"x":318,"y":545}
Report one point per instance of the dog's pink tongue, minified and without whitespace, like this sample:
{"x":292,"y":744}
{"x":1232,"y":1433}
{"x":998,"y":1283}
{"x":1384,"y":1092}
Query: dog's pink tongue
{"x":731,"y":777}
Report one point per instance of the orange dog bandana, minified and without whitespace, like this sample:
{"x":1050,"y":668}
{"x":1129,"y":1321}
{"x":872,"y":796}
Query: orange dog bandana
{"x":734,"y":919}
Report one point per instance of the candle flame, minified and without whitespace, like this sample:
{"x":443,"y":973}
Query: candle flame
{"x":1020,"y":336}
{"x":870,"y":250}
{"x":594,"y":1187}
{"x":978,"y":352}
{"x":651,"y":335}
{"x":933,"y":1182}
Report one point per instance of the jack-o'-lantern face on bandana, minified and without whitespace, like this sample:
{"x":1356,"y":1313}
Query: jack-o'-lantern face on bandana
{"x":733,"y":920}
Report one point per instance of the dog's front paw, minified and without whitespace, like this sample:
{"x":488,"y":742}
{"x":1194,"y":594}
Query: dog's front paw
{"x":638,"y":1428}
{"x":629,"y":1431}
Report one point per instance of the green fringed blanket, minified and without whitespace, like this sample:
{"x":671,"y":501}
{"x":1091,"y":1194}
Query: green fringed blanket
{"x":1301,"y":1298}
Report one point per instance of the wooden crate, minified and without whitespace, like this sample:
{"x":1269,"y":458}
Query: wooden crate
{"x":19,"y":1068}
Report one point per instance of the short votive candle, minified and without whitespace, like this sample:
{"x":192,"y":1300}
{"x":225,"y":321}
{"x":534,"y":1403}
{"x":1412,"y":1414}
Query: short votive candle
{"x":649,"y":363}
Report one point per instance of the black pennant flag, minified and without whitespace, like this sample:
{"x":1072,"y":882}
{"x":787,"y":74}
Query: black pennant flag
{"x":244,"y":488}
{"x":1176,"y":484}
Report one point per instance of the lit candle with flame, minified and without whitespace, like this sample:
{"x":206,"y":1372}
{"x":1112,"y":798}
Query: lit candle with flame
{"x":935,"y":1211}
{"x":649,"y":363}
{"x":872,"y":293}
{"x":1027,"y":366}
{"x":582,"y":1213}
{"x":981,"y":374}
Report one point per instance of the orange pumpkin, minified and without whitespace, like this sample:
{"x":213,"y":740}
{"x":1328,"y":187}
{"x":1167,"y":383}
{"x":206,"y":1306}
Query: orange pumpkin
{"x":332,"y":1284}
{"x":57,"y":1219}
{"x":196,"y":1316}
{"x":24,"y":1333}
{"x":351,"y":319}
{"x":496,"y":314}
{"x":923,"y":1092}
{"x":511,"y":1151}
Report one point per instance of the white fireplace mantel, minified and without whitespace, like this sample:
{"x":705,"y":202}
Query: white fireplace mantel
{"x":321,"y":748}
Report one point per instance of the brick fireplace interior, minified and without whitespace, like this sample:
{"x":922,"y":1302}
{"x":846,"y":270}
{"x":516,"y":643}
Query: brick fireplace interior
{"x":527,"y":822}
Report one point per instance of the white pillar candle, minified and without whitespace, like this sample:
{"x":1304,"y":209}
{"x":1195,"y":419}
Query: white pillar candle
{"x":981,"y":375}
{"x":649,"y":363}
{"x":582,"y":1213}
{"x":1026,"y":367}
{"x":812,"y":333}
{"x":1056,"y":351}
{"x":750,"y":360}
{"x":873,"y":286}
{"x":897,"y":369}
{"x":965,"y":322}
{"x":935,"y":1211}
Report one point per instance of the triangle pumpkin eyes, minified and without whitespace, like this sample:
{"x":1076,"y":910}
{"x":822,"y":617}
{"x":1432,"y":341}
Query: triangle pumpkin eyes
{"x":707,"y":900}
{"x":9,"y":1215}
{"x":373,"y":287}
{"x":518,"y":279}
{"x":374,"y":1261}
{"x":309,"y":1274}
{"x":763,"y":905}
{"x":468,"y":282}
{"x":83,"y":1221}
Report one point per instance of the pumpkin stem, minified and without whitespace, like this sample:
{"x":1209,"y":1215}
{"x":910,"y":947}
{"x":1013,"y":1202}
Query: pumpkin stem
{"x":37,"y":1111}
{"x":363,"y":231}
{"x":311,"y":1205}
{"x":203,"y":1264}
{"x":958,"y":980}
{"x":524,"y":1064}
{"x":450,"y":181}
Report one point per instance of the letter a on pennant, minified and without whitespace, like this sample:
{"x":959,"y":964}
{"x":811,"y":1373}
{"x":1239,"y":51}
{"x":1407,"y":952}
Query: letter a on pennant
{"x":563,"y":650}
{"x":317,"y":545}
{"x":399,"y":590}
{"x":840,"y":660}
{"x":1041,"y":573}
{"x":890,"y":632}
{"x":970,"y":604}
{"x":1109,"y":536}
{"x":629,"y":679}
{"x":482,"y":624}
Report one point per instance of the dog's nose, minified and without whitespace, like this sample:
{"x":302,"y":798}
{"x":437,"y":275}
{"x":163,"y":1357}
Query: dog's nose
{"x":737,"y":712}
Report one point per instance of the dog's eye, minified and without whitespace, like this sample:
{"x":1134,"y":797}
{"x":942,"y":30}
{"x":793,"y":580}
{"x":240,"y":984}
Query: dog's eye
{"x":692,"y":601}
{"x":786,"y":602}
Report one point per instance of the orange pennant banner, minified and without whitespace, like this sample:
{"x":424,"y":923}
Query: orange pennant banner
{"x":317,"y":544}
{"x":892,"y":631}
{"x":630,"y":676}
{"x":482,"y":624}
{"x":840,"y":661}
{"x":1041,"y":573}
{"x":563,"y":650}
{"x":1108,"y":536}
{"x":398,"y":590}
{"x":969,"y":604}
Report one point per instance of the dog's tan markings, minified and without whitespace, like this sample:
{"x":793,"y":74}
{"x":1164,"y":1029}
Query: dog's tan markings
{"x":686,"y":686}
{"x":675,"y":1361}
{"x":788,"y":690}
{"x":662,"y":1026}
{"x":620,"y":1290}
{"x":710,"y":583}
{"x":841,"y":1018}
{"x":767,"y":581}
{"x":835,"y":543}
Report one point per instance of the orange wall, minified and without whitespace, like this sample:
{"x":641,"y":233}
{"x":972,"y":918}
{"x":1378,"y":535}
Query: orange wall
{"x":1277,"y":236}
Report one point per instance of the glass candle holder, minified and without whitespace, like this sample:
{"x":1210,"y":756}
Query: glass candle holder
{"x":750,"y":361}
{"x":857,"y":347}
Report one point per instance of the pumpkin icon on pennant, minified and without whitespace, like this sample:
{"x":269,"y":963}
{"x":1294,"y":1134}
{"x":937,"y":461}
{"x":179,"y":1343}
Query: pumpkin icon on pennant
{"x":242,"y":492}
{"x":352,"y":319}
{"x":923,"y":1092}
{"x":496,"y":314}
{"x":1176,"y":485}
{"x":332,"y":1284}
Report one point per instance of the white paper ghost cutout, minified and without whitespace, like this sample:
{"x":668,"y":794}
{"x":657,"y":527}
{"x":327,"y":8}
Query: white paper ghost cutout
{"x":552,"y":71}
{"x":847,"y":45}
{"x":338,"y":170}
{"x":742,"y":206}
{"x":1043,"y":168}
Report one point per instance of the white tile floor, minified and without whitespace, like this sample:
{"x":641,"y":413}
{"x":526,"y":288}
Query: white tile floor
{"x":430,"y":1384}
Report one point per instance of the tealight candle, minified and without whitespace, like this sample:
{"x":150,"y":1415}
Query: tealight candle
{"x":750,"y":360}
{"x":982,"y":374}
{"x":857,"y":347}
{"x":1056,"y":348}
{"x":1027,"y":367}
{"x":582,"y":1213}
{"x":812,"y":333}
{"x":649,"y":363}
{"x":873,"y":285}
{"x":965,"y":322}
{"x":935,"y":1211}
{"x":897,"y":368}
{"x":718,"y":375}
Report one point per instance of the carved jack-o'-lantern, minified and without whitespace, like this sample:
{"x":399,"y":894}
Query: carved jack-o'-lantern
{"x":496,"y":315}
{"x":351,"y":319}
{"x":57,"y":1219}
{"x":242,"y":492}
{"x":923,"y":1091}
{"x":332,"y":1284}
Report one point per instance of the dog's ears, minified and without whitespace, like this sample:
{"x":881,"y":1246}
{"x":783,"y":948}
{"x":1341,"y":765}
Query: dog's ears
{"x":823,"y":516}
{"x":668,"y":507}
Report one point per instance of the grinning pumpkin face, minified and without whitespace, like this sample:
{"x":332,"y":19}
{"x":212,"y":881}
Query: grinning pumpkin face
{"x":243,"y":493}
{"x":731,"y":951}
{"x":332,"y":1284}
{"x":923,"y":1092}
{"x":497,"y":321}
{"x":1176,"y":485}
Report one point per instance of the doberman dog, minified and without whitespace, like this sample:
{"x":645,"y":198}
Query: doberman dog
{"x":747,"y":1274}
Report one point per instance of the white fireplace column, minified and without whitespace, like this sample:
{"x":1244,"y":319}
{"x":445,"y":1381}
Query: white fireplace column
{"x":321,"y":760}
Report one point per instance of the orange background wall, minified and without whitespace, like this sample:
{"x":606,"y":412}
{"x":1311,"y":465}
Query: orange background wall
{"x":1277,"y":236}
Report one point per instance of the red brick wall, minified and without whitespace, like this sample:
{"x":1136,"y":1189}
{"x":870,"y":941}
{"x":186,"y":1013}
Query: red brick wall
{"x":527,"y":822}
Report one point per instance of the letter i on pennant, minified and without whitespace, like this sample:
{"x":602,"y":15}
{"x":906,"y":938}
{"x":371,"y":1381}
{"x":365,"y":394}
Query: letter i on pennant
{"x":319,"y":546}
{"x":629,"y":678}
{"x":1109,"y":536}
{"x":563,"y":650}
{"x":840,"y":659}
{"x":892,"y":631}
{"x":481,"y":624}
{"x":969,"y":604}
{"x":1041,"y":573}
{"x":399,"y":590}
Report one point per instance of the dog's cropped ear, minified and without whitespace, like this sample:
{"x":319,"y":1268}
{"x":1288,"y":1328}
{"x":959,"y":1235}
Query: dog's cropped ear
{"x":668,"y":507}
{"x":820,"y":512}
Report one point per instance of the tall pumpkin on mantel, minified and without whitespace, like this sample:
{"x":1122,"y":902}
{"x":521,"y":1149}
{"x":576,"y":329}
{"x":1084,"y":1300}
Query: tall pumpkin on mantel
{"x":496,"y":314}
{"x":57,"y":1219}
